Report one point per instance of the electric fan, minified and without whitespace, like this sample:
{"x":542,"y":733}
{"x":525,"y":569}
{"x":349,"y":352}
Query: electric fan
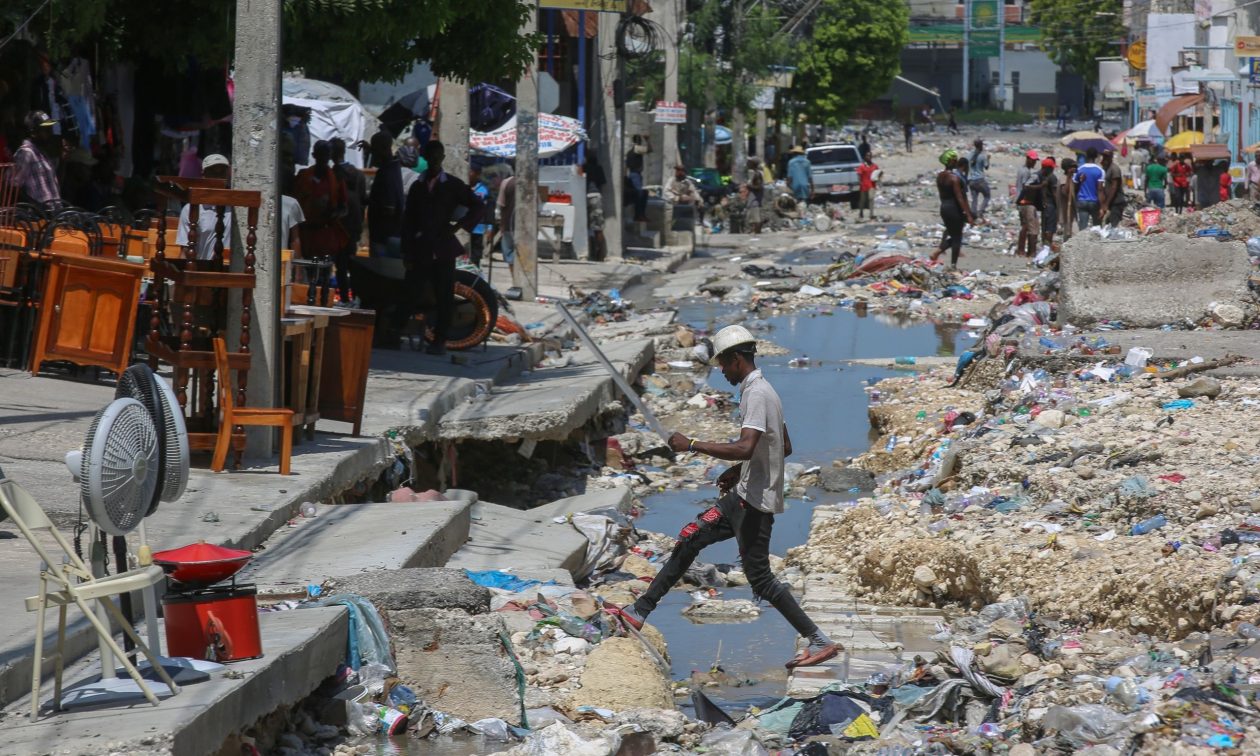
{"x":139,"y":382}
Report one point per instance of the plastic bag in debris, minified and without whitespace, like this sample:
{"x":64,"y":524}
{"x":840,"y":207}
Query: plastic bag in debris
{"x":558,"y":740}
{"x":1043,"y":255}
{"x":504,"y":581}
{"x":723,"y":741}
{"x":493,"y":728}
{"x":540,"y":718}
{"x":367,"y":641}
{"x":609,"y":534}
{"x":1089,"y":724}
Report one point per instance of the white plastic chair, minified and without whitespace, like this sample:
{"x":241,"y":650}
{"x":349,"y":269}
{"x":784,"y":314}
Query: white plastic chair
{"x":72,"y":582}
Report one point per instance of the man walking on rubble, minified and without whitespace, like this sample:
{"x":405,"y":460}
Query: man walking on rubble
{"x":752,"y":494}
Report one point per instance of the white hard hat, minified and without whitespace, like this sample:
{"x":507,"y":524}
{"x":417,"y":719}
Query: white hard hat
{"x":731,"y":337}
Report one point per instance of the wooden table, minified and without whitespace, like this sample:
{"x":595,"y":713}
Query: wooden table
{"x":343,"y":389}
{"x":301,"y":372}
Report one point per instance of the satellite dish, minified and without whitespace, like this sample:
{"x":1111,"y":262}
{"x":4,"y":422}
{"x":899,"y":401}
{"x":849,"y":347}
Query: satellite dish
{"x":139,"y":382}
{"x":118,"y":474}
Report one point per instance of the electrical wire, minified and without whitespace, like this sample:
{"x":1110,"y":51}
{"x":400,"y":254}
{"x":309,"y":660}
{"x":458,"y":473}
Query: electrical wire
{"x":649,"y":36}
{"x":22,"y":26}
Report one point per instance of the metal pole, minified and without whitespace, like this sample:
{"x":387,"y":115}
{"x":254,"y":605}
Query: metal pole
{"x":1002,"y":53}
{"x":582,"y":83}
{"x":966,"y":76}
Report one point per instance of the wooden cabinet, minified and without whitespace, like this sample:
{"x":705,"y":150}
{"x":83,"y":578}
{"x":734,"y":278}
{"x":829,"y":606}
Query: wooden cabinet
{"x":88,"y":312}
{"x":344,"y":374}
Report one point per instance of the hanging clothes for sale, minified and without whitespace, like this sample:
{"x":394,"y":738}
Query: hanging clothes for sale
{"x":75,"y":80}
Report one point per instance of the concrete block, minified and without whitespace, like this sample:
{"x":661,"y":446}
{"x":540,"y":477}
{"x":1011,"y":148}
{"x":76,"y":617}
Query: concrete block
{"x":456,"y":662}
{"x":348,"y":539}
{"x":1159,"y":279}
{"x":505,"y":537}
{"x":418,"y":588}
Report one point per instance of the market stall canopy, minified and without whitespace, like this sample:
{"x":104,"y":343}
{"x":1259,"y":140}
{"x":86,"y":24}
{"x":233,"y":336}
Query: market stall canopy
{"x":1181,"y":142}
{"x":555,"y":134}
{"x":1144,"y":130}
{"x":1170,"y":109}
{"x":1210,"y":152}
{"x":334,"y":113}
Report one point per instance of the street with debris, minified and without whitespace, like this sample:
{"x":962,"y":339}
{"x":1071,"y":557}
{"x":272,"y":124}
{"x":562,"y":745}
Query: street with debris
{"x":864,"y":405}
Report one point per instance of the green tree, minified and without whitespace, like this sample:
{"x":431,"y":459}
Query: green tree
{"x":1075,"y":37}
{"x":852,"y":54}
{"x":351,"y":39}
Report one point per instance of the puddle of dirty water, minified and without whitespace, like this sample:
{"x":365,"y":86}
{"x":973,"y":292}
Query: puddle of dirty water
{"x":825,"y":409}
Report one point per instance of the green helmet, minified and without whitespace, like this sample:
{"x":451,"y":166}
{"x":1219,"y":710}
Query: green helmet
{"x":948,"y":156}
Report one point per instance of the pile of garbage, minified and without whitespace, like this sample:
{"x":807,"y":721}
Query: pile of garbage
{"x":1233,"y":219}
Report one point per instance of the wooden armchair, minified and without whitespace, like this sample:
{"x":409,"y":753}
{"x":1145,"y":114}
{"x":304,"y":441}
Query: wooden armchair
{"x":232,"y":416}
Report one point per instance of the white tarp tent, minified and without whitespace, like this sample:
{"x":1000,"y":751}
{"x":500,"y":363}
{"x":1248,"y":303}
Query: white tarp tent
{"x":334,"y":113}
{"x":555,"y":134}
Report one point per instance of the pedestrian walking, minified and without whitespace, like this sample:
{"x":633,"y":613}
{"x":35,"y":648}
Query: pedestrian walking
{"x":428,"y":238}
{"x":477,"y":238}
{"x":907,"y":129}
{"x":1049,"y":201}
{"x":953,"y":122}
{"x":34,"y":173}
{"x":955,"y":212}
{"x":977,"y":179}
{"x":800,"y":175}
{"x":1253,"y":179}
{"x":356,"y":199}
{"x":1112,"y":205}
{"x":1067,"y":198}
{"x":639,"y":147}
{"x":323,"y":199}
{"x":866,"y":186}
{"x":864,"y":146}
{"x":386,"y":199}
{"x":1088,"y":180}
{"x":1028,"y":200}
{"x":1180,"y":173}
{"x":1156,"y":181}
{"x":1063,"y":114}
{"x":756,"y":188}
{"x":751,"y":496}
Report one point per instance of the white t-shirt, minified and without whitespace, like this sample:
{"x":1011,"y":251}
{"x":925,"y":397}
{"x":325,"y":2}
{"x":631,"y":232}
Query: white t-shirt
{"x":207,"y":219}
{"x":290,"y":217}
{"x":761,"y":477}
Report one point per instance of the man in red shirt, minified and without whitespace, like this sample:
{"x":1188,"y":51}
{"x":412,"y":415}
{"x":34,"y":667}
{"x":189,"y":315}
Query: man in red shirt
{"x":1180,"y":172}
{"x":866,"y":185}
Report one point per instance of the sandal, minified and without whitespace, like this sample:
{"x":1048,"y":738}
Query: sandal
{"x":805,"y":659}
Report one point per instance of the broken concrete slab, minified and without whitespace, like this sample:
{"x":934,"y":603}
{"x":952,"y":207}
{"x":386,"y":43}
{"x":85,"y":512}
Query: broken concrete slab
{"x":302,"y":648}
{"x":620,"y":498}
{"x":501,"y":536}
{"x":348,"y":539}
{"x":418,"y":588}
{"x":456,"y":662}
{"x":549,"y":403}
{"x":1158,"y":279}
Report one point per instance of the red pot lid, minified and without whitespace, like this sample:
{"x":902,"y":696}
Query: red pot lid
{"x":200,"y":553}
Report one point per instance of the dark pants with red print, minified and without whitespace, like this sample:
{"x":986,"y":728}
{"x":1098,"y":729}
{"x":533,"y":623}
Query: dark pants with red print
{"x":750,"y":527}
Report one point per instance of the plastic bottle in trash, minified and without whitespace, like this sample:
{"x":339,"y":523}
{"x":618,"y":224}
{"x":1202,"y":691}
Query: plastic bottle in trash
{"x":892,"y":444}
{"x":1126,"y":693}
{"x":905,"y":360}
{"x":1146,"y":526}
{"x":308,"y":509}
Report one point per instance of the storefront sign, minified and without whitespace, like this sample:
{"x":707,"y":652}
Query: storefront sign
{"x":671,"y":112}
{"x":1246,"y":46}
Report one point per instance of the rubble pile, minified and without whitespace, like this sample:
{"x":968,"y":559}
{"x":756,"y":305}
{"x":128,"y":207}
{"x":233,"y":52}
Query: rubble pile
{"x":1236,"y":217}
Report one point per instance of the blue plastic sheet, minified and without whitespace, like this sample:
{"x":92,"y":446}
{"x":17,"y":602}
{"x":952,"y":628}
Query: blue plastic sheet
{"x":503,"y":580}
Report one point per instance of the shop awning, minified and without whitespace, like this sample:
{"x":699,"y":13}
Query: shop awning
{"x":1170,"y":109}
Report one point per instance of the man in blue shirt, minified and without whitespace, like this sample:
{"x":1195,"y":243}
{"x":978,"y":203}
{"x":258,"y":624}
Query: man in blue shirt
{"x":477,"y":237}
{"x":1088,"y":179}
{"x":799,"y":175}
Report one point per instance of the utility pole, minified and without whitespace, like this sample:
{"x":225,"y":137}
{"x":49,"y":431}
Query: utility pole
{"x":1002,"y":53}
{"x":611,"y":155}
{"x":526,"y":236}
{"x":966,"y":74}
{"x":670,"y":10}
{"x":256,"y":167}
{"x":453,"y":126}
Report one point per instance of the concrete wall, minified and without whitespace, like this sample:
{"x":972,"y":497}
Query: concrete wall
{"x":1160,"y":279}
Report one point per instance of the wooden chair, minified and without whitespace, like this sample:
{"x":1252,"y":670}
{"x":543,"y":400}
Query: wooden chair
{"x":231,"y":416}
